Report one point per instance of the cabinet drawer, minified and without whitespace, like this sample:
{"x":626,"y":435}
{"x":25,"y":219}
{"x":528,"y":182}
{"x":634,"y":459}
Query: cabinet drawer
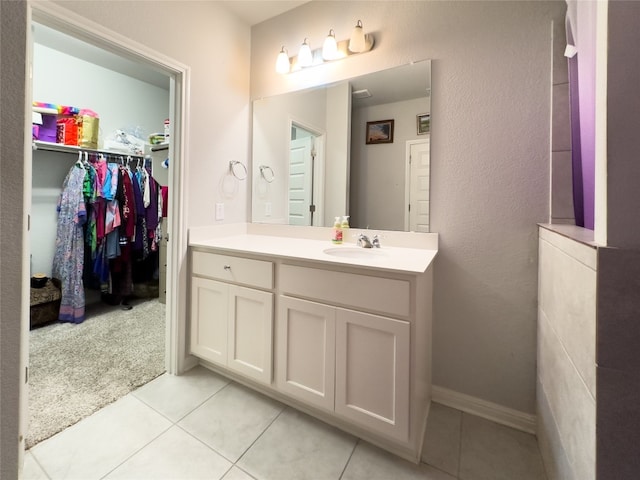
{"x":384,"y":295}
{"x":256,"y":273}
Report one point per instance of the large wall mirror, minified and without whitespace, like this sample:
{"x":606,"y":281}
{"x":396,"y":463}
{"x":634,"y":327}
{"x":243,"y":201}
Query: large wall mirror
{"x":359,"y":147}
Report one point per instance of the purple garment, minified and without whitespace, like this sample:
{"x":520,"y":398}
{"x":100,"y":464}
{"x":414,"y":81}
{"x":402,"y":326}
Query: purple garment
{"x":140,"y":216}
{"x":68,"y":260}
{"x":152,"y":210}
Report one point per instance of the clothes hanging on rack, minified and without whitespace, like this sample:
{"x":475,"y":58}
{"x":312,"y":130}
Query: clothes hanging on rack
{"x":68,"y":261}
{"x":104,"y":224}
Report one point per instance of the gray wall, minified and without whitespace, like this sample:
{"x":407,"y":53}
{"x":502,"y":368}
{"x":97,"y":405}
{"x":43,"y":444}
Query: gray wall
{"x":13,"y":30}
{"x":490,"y":148}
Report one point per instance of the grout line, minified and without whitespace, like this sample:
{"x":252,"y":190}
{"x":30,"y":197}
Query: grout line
{"x":353,"y":450}
{"x":261,"y":434}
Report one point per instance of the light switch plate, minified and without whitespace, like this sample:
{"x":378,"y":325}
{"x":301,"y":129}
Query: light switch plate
{"x":219,"y":211}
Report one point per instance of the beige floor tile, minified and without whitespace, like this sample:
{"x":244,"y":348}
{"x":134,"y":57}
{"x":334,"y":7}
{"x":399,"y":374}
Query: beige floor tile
{"x":31,"y":470}
{"x":173,"y":455}
{"x":442,"y":439}
{"x":496,"y":452}
{"x":96,"y":445}
{"x":176,"y":396}
{"x":232,"y":420}
{"x":298,"y":447}
{"x":371,"y":463}
{"x":236,"y":474}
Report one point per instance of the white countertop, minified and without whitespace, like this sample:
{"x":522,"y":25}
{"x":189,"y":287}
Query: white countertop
{"x":399,"y":259}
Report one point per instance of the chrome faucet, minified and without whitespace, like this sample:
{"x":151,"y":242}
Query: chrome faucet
{"x":364,"y":242}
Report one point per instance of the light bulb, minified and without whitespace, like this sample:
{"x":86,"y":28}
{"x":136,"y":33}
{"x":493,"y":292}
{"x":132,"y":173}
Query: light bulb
{"x":282,"y":62}
{"x":330,"y":47}
{"x":305,"y":58}
{"x":357,"y":42}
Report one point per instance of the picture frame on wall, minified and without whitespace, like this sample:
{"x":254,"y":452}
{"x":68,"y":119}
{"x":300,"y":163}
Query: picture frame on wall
{"x":423,"y":123}
{"x":380,"y":131}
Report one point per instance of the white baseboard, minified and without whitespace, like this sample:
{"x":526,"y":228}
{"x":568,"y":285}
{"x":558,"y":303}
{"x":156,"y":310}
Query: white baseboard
{"x":482,"y":408}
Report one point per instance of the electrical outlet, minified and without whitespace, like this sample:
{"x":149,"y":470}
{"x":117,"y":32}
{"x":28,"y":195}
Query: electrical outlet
{"x":267,"y":209}
{"x":219,"y":211}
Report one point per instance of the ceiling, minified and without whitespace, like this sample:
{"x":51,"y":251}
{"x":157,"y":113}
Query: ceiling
{"x":252,"y":12}
{"x":256,"y":11}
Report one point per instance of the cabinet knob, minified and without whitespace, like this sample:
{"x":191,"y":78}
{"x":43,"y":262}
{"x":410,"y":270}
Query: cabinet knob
{"x":227,"y":267}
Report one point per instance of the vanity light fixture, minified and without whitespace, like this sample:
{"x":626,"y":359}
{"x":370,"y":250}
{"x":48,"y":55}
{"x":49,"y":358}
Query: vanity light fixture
{"x":305,"y":57}
{"x":331,"y":50}
{"x":330,"y":47}
{"x":282,"y":62}
{"x":357,"y":41}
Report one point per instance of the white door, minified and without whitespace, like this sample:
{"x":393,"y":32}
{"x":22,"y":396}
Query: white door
{"x":250,"y":340}
{"x":300,"y":181}
{"x":372,"y":372}
{"x":305,"y":356}
{"x":209,"y":319}
{"x":418,"y":207}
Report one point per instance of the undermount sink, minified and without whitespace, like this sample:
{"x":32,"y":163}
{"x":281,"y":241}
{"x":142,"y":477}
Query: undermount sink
{"x":354,"y":252}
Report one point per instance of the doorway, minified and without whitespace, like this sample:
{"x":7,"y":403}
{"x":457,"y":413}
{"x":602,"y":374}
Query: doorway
{"x":305,"y":181}
{"x":417,"y":186}
{"x":174,"y":331}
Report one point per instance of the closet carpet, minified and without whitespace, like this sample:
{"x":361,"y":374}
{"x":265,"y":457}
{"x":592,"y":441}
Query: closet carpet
{"x":74,"y":370}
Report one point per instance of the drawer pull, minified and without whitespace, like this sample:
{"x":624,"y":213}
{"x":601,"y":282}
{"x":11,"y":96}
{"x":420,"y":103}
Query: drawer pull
{"x":227,"y":267}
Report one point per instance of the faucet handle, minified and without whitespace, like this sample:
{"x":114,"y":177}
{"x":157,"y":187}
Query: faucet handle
{"x":375,"y":242}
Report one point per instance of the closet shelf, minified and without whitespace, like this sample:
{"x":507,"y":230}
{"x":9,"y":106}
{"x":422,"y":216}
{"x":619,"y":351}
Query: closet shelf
{"x":159,"y":147}
{"x":59,"y":147}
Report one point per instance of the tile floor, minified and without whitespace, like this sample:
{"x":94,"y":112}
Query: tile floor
{"x":201,"y":425}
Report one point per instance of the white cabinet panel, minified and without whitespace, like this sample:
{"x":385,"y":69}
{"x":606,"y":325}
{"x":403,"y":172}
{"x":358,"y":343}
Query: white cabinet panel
{"x":250,"y":332}
{"x":372,"y":371}
{"x":209,"y":313}
{"x":306,"y":351}
{"x":232,"y":326}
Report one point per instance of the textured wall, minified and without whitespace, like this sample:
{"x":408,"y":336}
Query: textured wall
{"x":13,"y":31}
{"x":491,"y":75}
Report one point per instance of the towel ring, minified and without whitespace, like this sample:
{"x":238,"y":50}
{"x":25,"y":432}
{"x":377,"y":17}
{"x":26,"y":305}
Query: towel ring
{"x":269,"y":177}
{"x":240,"y":174}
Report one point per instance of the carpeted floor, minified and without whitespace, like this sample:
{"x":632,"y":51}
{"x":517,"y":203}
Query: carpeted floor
{"x":74,"y":370}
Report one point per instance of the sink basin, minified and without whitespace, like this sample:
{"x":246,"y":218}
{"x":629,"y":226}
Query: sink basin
{"x":354,"y":252}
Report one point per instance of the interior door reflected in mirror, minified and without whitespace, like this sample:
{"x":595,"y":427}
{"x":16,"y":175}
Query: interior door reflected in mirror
{"x":313,"y":145}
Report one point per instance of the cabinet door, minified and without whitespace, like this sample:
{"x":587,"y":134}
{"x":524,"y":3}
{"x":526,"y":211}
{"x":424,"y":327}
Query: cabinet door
{"x":209,"y":319}
{"x":372,"y":372}
{"x":250,"y":341}
{"x":305,"y":357}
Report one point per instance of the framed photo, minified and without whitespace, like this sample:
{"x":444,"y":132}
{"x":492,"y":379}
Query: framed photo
{"x":424,"y":123}
{"x":380,"y":131}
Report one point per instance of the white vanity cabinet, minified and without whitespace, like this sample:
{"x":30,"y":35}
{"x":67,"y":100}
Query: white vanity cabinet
{"x":343,"y":358}
{"x":349,"y":341}
{"x":231,"y":325}
{"x":352,"y":363}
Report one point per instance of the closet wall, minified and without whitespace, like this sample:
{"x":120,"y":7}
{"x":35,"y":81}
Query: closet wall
{"x":122,"y":102}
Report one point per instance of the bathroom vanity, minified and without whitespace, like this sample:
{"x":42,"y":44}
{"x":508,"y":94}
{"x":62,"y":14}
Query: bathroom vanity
{"x":340,"y":332}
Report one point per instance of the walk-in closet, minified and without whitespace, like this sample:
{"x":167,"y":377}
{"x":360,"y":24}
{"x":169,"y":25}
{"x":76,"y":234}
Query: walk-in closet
{"x":98,"y":229}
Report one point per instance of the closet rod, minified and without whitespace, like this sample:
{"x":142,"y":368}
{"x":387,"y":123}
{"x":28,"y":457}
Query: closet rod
{"x":59,"y":147}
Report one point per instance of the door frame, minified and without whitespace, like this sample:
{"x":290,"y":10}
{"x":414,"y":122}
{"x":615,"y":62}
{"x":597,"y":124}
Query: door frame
{"x":64,"y":20}
{"x":319,"y":167}
{"x":407,"y":177}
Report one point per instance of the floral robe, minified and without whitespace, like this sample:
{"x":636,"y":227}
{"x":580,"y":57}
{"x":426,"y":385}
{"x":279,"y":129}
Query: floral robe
{"x":68,"y":260}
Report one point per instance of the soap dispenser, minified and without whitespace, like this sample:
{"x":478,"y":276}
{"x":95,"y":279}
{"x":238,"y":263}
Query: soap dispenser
{"x":337,"y":231}
{"x":345,"y":226}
